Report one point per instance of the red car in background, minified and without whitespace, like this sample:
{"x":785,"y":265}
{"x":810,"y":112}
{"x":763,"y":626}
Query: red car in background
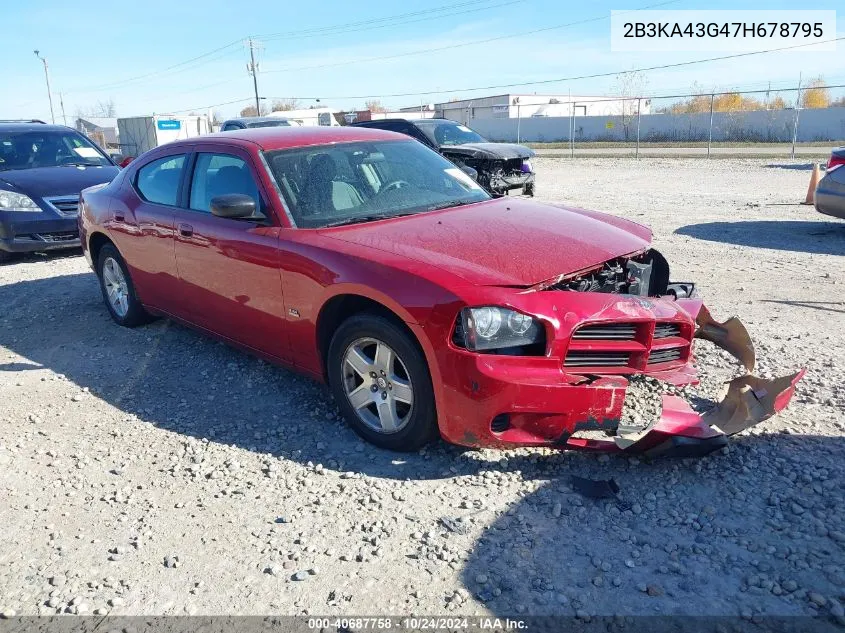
{"x":365,"y":259}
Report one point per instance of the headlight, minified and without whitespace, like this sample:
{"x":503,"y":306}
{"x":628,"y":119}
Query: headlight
{"x":492,"y":328}
{"x":11,"y":201}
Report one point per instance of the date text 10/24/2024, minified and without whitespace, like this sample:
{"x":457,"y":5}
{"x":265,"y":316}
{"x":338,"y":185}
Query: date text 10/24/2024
{"x":417,"y":623}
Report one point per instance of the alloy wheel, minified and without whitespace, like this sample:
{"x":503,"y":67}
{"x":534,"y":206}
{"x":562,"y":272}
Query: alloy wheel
{"x":117,"y":290}
{"x":377,"y":385}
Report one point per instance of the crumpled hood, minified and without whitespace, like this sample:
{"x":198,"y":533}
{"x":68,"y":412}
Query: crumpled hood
{"x":504,"y":242}
{"x":56,"y":181}
{"x":503,"y":151}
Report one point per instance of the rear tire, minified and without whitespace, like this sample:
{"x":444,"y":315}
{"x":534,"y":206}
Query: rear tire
{"x":118,"y":291}
{"x":6,"y":257}
{"x":381,"y":382}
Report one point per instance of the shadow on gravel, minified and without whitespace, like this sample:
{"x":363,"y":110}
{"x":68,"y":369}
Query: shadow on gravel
{"x":43,"y":256}
{"x":745,"y":531}
{"x":798,"y":167}
{"x":824,"y":306}
{"x":822,"y":238}
{"x":188,"y":383}
{"x":553,"y":552}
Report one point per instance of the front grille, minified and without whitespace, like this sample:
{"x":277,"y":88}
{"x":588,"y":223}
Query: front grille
{"x":667,"y":330}
{"x":585,"y":358}
{"x":664,"y":355}
{"x":61,"y":236}
{"x":606,"y":331}
{"x":67,"y":206}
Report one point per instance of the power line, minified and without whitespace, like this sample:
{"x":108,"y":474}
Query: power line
{"x":342,"y":29}
{"x":573,"y":78}
{"x":332,"y":30}
{"x":498,"y":38}
{"x":206,"y":107}
{"x":158,"y":72}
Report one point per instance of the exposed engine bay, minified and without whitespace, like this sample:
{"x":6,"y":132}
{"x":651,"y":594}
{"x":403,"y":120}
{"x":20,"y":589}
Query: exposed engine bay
{"x":498,"y":176}
{"x":644,"y":275}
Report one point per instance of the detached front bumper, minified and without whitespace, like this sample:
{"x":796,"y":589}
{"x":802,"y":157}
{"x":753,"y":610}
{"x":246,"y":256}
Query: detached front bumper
{"x":509,"y":401}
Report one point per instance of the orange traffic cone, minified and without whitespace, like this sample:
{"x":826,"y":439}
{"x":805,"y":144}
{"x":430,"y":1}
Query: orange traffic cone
{"x":814,"y":182}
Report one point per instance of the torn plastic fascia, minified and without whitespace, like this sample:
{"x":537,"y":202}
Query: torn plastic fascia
{"x":681,"y":432}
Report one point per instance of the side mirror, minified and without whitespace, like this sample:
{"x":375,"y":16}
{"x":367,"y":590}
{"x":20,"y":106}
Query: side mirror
{"x":233,"y":205}
{"x":469,"y":171}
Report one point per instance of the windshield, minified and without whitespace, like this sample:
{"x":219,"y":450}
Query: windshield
{"x":278,"y":123}
{"x":28,"y":149}
{"x":346,"y":183}
{"x":444,"y":132}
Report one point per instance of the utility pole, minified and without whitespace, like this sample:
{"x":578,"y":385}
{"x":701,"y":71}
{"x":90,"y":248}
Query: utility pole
{"x":797,"y":115}
{"x":47,"y":77}
{"x":252,"y":68}
{"x":62,"y":104}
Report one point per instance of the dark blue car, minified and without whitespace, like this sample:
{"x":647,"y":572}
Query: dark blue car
{"x":42,"y":170}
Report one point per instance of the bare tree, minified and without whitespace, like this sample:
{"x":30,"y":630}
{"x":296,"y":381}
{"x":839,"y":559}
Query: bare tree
{"x":374,"y":105}
{"x":104,"y":108}
{"x":101,"y":109}
{"x":285,"y":105}
{"x":251,"y":111}
{"x":629,"y":86}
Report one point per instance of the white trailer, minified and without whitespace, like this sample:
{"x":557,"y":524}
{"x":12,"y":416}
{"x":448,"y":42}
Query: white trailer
{"x":142,"y":133}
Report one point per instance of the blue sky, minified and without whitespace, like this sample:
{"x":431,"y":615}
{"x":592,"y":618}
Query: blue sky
{"x":97,"y":51}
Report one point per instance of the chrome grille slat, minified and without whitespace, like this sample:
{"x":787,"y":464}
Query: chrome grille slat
{"x":667,"y":330}
{"x":664,"y":355}
{"x":606,"y":331}
{"x":67,"y":206}
{"x":597,"y":359}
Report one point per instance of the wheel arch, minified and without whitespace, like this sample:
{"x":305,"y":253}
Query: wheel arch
{"x":347,"y":304}
{"x":96,"y":241}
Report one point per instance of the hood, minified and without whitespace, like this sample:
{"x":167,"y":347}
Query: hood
{"x":503,"y":242}
{"x":502,"y":151}
{"x":56,"y":181}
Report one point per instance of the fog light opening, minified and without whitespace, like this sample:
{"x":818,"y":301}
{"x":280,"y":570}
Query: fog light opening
{"x":500,"y":423}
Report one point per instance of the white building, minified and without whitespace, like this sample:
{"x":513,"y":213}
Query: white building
{"x":511,"y":106}
{"x":310,"y":116}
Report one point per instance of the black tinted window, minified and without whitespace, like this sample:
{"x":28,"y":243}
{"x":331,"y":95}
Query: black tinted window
{"x":48,"y":148}
{"x":158,"y":181}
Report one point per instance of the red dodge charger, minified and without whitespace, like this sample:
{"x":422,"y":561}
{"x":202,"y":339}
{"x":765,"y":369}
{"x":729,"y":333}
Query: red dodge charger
{"x":367,"y":260}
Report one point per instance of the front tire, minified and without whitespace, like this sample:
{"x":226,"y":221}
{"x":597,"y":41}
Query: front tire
{"x":5,"y":257}
{"x":380,"y":380}
{"x":118,"y":291}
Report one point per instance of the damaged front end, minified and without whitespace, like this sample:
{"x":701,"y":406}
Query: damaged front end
{"x":676,"y":429}
{"x":500,"y":168}
{"x":570,"y":383}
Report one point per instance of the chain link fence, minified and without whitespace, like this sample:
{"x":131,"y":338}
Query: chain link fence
{"x":794,"y":122}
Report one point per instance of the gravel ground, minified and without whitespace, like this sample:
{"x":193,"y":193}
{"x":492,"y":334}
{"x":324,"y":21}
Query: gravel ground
{"x":154,"y":471}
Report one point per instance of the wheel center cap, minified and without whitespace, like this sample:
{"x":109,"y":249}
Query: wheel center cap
{"x":381,"y":382}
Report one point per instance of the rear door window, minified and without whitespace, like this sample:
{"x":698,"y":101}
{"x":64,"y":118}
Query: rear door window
{"x":159,"y":180}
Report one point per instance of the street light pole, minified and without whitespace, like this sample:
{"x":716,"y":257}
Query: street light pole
{"x":49,"y":93}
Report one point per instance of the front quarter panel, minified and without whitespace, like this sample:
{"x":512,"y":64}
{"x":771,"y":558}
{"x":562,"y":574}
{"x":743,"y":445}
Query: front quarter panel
{"x":316,"y":269}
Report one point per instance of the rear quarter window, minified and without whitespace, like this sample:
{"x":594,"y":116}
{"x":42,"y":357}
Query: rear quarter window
{"x":158,"y":181}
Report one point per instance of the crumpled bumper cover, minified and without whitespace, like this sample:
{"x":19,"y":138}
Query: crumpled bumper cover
{"x":680,"y":431}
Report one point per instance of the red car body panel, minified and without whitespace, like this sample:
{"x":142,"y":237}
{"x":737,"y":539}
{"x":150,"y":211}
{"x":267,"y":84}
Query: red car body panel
{"x":264,"y":287}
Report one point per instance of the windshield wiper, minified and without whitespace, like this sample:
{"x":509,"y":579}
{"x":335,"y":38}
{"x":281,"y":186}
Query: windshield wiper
{"x":447,"y":205}
{"x":80,"y":164}
{"x":365,"y":218}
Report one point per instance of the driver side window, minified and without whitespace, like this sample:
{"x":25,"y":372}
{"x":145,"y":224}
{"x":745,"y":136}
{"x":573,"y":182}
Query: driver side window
{"x":220,"y":174}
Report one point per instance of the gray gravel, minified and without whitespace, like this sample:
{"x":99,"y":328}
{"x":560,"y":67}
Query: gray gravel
{"x":153,"y":471}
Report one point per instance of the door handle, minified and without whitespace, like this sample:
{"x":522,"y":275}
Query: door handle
{"x":186,"y":230}
{"x":119,"y":217}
